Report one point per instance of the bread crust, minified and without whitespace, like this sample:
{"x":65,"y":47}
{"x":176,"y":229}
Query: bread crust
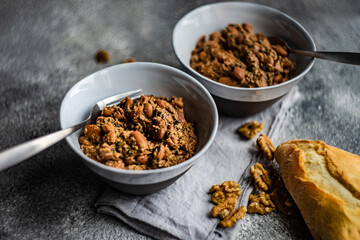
{"x":324,"y":182}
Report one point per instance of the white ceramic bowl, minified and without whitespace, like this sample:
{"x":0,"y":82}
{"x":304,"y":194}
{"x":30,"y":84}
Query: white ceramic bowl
{"x":152,"y":78}
{"x":207,"y":19}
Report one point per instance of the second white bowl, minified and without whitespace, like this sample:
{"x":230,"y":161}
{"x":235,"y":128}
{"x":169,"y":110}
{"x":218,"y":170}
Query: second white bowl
{"x":214,"y":17}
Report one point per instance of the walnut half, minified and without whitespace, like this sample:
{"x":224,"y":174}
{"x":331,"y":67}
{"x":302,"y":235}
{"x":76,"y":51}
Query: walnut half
{"x":260,"y":203}
{"x":250,"y":129}
{"x":261,"y":177}
{"x":221,"y":193}
{"x":225,"y":196}
{"x":233,"y":216}
{"x":266,"y":146}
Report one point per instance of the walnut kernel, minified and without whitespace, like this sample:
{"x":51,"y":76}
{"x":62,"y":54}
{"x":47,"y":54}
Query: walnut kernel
{"x":225,"y":191}
{"x":250,"y":129}
{"x":261,"y":177}
{"x":225,"y":197}
{"x":233,"y":216}
{"x":266,"y":146}
{"x":260,"y":203}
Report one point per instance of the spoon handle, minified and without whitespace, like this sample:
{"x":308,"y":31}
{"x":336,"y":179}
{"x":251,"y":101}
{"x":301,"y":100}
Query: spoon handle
{"x":343,"y":57}
{"x":19,"y":153}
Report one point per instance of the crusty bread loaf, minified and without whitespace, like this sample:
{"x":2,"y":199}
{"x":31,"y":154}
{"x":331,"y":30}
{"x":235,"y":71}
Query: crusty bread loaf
{"x":324,"y":182}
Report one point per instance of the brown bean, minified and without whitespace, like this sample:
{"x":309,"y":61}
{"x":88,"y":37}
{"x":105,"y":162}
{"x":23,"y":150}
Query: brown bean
{"x":269,"y":60}
{"x":180,"y":117}
{"x":161,"y":130}
{"x":148,"y":110}
{"x":161,"y":103}
{"x":280,"y":50}
{"x":239,"y":73}
{"x":217,"y":53}
{"x":140,"y":140}
{"x":227,"y":81}
{"x":260,"y":56}
{"x":278,"y":78}
{"x":128,"y":102}
{"x":161,"y":153}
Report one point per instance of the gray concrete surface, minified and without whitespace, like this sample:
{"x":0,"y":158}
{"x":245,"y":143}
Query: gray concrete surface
{"x":48,"y":46}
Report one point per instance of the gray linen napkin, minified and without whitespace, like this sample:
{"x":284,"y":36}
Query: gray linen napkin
{"x":182,"y":210}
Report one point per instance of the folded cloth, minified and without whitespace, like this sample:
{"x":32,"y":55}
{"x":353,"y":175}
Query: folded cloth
{"x":182,"y":210}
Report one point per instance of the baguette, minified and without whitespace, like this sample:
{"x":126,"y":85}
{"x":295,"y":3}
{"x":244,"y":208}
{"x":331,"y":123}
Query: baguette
{"x":324,"y":182}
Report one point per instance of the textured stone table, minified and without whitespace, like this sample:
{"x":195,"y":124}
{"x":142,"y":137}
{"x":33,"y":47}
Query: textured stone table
{"x":48,"y":46}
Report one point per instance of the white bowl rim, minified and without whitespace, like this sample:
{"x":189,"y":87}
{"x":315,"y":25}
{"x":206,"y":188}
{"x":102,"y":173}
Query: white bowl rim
{"x":150,"y":171}
{"x":201,"y":8}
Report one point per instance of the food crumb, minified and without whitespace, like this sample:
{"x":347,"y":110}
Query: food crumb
{"x":129,"y":60}
{"x":102,"y":56}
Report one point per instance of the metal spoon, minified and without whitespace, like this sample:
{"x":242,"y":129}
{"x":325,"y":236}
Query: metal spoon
{"x":19,"y":153}
{"x":343,"y":57}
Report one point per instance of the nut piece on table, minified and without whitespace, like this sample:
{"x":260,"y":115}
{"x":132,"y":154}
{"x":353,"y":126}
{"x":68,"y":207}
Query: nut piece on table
{"x":250,"y":129}
{"x":266,"y":146}
{"x":102,"y":56}
{"x":260,"y":203}
{"x":233,"y":216}
{"x":261,"y":177}
{"x":225,"y":191}
{"x":129,"y":60}
{"x":224,"y":208}
{"x":282,"y":201}
{"x":225,"y":197}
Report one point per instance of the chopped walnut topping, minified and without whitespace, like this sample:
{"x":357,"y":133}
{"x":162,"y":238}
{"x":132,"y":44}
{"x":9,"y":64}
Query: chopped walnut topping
{"x":266,"y":146}
{"x":233,"y":216}
{"x":282,"y":201}
{"x":262,"y":180}
{"x":250,"y":129}
{"x":225,"y":197}
{"x":260,"y":203}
